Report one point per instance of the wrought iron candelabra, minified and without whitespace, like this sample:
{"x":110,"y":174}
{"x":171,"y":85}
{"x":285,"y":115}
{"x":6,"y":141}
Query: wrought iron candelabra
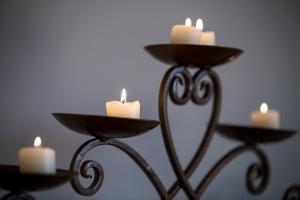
{"x":200,"y":87}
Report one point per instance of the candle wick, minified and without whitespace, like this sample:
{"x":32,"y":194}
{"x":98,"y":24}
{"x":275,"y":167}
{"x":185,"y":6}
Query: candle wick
{"x":123,"y":101}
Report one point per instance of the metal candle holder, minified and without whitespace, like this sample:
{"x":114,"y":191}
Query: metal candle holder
{"x":205,"y":81}
{"x":20,"y":184}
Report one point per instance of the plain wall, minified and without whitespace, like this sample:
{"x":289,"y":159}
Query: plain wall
{"x":73,"y":56}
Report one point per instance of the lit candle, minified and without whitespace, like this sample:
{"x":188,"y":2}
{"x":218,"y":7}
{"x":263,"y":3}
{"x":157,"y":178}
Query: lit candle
{"x":123,"y":108}
{"x":265,"y":118}
{"x":206,"y":38}
{"x":37,"y":159}
{"x":185,"y":34}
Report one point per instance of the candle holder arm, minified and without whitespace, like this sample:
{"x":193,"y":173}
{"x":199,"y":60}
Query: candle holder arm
{"x":292,"y":193}
{"x":18,"y":196}
{"x":259,"y":170}
{"x":81,"y":166}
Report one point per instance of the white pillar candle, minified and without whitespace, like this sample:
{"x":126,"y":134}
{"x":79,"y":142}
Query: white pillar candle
{"x":185,"y":34}
{"x":123,"y":108}
{"x":265,"y":118}
{"x":206,"y":38}
{"x":37,"y":159}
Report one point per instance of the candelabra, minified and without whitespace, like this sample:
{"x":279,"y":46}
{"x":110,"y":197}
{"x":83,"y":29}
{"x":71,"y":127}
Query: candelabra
{"x":201,"y":87}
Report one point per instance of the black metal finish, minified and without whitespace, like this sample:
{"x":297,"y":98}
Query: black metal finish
{"x":200,"y":56}
{"x":191,"y":86}
{"x":292,"y":193}
{"x":257,"y":171}
{"x":200,"y":88}
{"x":180,"y":75}
{"x":97,"y":178}
{"x":30,"y":182}
{"x":104,"y":126}
{"x":11,"y":179}
{"x":17,"y":196}
{"x":253,"y":135}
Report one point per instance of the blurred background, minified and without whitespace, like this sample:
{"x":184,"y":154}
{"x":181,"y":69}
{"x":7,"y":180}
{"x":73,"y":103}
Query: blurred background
{"x":73,"y":56}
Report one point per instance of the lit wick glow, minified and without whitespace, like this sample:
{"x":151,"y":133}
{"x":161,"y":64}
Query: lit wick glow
{"x":188,"y":22}
{"x":263,"y":108}
{"x":199,"y":24}
{"x":123,"y":96}
{"x":37,"y":142}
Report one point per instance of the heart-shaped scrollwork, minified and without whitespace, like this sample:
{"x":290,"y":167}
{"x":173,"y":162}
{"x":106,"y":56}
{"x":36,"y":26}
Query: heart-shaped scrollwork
{"x":200,"y":88}
{"x":192,"y":86}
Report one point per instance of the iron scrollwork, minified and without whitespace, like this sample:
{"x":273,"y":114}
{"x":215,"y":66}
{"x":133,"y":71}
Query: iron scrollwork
{"x":83,"y":167}
{"x":257,"y":171}
{"x":180,"y":86}
{"x":200,"y":88}
{"x":192,"y":86}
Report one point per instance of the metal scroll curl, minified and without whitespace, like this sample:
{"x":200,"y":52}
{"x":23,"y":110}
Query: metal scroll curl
{"x":192,"y":86}
{"x":199,"y":88}
{"x":202,"y":85}
{"x":258,"y":174}
{"x":97,"y":177}
{"x":78,"y":165}
{"x":181,"y":77}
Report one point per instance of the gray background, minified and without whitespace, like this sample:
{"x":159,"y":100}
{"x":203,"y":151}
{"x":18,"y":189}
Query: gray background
{"x":73,"y":56}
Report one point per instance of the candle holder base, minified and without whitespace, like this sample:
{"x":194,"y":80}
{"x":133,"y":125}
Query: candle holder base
{"x":104,"y":127}
{"x":11,"y":179}
{"x":18,"y":196}
{"x":253,"y":135}
{"x":193,"y":55}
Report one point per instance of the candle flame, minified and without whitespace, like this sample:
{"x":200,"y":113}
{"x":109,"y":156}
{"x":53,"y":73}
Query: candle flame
{"x":37,"y":142}
{"x":263,"y":108}
{"x":199,"y":24}
{"x":188,"y":22}
{"x":123,"y":96}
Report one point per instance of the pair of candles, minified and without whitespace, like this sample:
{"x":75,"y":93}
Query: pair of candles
{"x":263,"y":118}
{"x":188,"y":34}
